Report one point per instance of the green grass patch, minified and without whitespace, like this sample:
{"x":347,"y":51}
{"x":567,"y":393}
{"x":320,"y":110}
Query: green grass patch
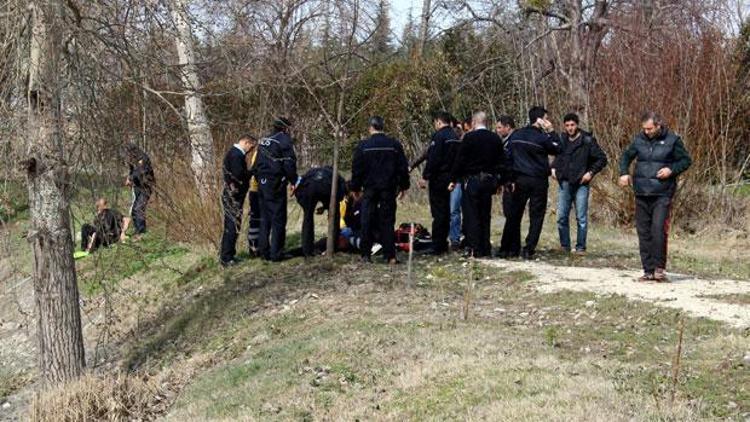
{"x":735,"y":299}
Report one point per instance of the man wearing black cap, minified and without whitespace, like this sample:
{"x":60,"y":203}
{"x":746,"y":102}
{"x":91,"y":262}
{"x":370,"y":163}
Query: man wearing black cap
{"x":440,"y":155}
{"x":530,"y":148}
{"x":379,"y":172}
{"x":236,"y":184}
{"x":315,"y":188}
{"x":275,"y":167}
{"x":480,"y":166}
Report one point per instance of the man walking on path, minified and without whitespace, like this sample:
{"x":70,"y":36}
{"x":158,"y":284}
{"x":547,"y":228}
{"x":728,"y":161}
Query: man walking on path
{"x":580,"y":160}
{"x":660,"y":157}
{"x":379,"y":172}
{"x":530,"y":148}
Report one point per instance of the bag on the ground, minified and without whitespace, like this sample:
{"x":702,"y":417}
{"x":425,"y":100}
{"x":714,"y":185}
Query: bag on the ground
{"x":422,"y":238}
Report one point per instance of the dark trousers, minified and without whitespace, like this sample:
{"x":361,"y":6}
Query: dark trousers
{"x":308,"y":197}
{"x":138,"y":209}
{"x":440,"y":207}
{"x":379,"y":214}
{"x":652,"y":223}
{"x":477,"y":212}
{"x":253,"y":231}
{"x":87,"y":230}
{"x":531,"y":190}
{"x":232,"y":204}
{"x":272,"y":219}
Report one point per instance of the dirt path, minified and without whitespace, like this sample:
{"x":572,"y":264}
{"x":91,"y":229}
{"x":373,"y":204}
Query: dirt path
{"x":684,"y":292}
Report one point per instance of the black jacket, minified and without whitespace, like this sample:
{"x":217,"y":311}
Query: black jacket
{"x":276,"y":159}
{"x":441,"y":154}
{"x":141,"y":172}
{"x":317,"y":181}
{"x":108,"y":225}
{"x":379,"y":163}
{"x":236,"y":173}
{"x":481,"y":151}
{"x":530,"y":149}
{"x":651,"y":155}
{"x":579,"y":157}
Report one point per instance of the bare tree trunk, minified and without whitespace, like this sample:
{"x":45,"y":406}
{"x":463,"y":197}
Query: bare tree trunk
{"x":424,"y":27}
{"x":61,"y":353}
{"x":332,"y":204}
{"x":201,"y":142}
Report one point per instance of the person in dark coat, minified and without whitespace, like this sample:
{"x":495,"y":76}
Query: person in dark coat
{"x":530,"y":148}
{"x":314,"y":189}
{"x":660,"y":157}
{"x":580,"y":160}
{"x":379,"y":172}
{"x":480,"y":166}
{"x":275,"y":168}
{"x":437,"y":172}
{"x":141,"y":179}
{"x":108,"y":227}
{"x":236,"y":184}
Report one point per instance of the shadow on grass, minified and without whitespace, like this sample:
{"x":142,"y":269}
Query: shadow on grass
{"x":209,"y":319}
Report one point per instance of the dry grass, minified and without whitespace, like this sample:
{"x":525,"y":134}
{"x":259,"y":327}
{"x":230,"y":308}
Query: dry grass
{"x":104,"y":398}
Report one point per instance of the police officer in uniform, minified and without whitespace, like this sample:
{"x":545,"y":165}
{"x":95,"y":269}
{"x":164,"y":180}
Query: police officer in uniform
{"x":315,"y":188}
{"x":440,"y":156}
{"x":275,"y":168}
{"x":141,"y":179}
{"x":530,"y":148}
{"x":481,"y":167}
{"x":236,"y":184}
{"x":379,"y":172}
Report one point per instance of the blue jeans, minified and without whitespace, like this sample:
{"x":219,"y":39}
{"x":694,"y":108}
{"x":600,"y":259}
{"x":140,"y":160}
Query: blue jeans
{"x":567,"y":194}
{"x":455,"y":229}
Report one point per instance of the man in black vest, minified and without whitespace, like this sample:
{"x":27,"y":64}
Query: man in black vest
{"x":141,"y":179}
{"x":275,"y":168}
{"x":379,"y":172}
{"x":440,"y":155}
{"x":315,"y":188}
{"x":530,"y":148}
{"x":236,"y":184}
{"x":480,"y":166}
{"x":580,"y":160}
{"x":660,"y":157}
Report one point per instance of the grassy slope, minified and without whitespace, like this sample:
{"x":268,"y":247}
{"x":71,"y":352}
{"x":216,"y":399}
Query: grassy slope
{"x":326,"y":339}
{"x":335,"y":340}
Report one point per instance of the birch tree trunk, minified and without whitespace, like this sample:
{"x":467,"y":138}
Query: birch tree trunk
{"x":201,"y":141}
{"x":424,"y":27}
{"x":61,"y":353}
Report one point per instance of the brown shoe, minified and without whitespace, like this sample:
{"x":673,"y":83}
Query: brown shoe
{"x":660,"y":275}
{"x":646,"y":278}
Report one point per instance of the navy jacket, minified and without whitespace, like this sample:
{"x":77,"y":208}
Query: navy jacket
{"x":481,"y":151}
{"x":236,"y":173}
{"x":530,"y":149}
{"x":276,"y":159}
{"x":441,"y":154}
{"x":379,"y":163}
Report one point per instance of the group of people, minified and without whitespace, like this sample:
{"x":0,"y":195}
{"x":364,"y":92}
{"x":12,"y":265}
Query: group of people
{"x":110,"y":226}
{"x":466,"y":164}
